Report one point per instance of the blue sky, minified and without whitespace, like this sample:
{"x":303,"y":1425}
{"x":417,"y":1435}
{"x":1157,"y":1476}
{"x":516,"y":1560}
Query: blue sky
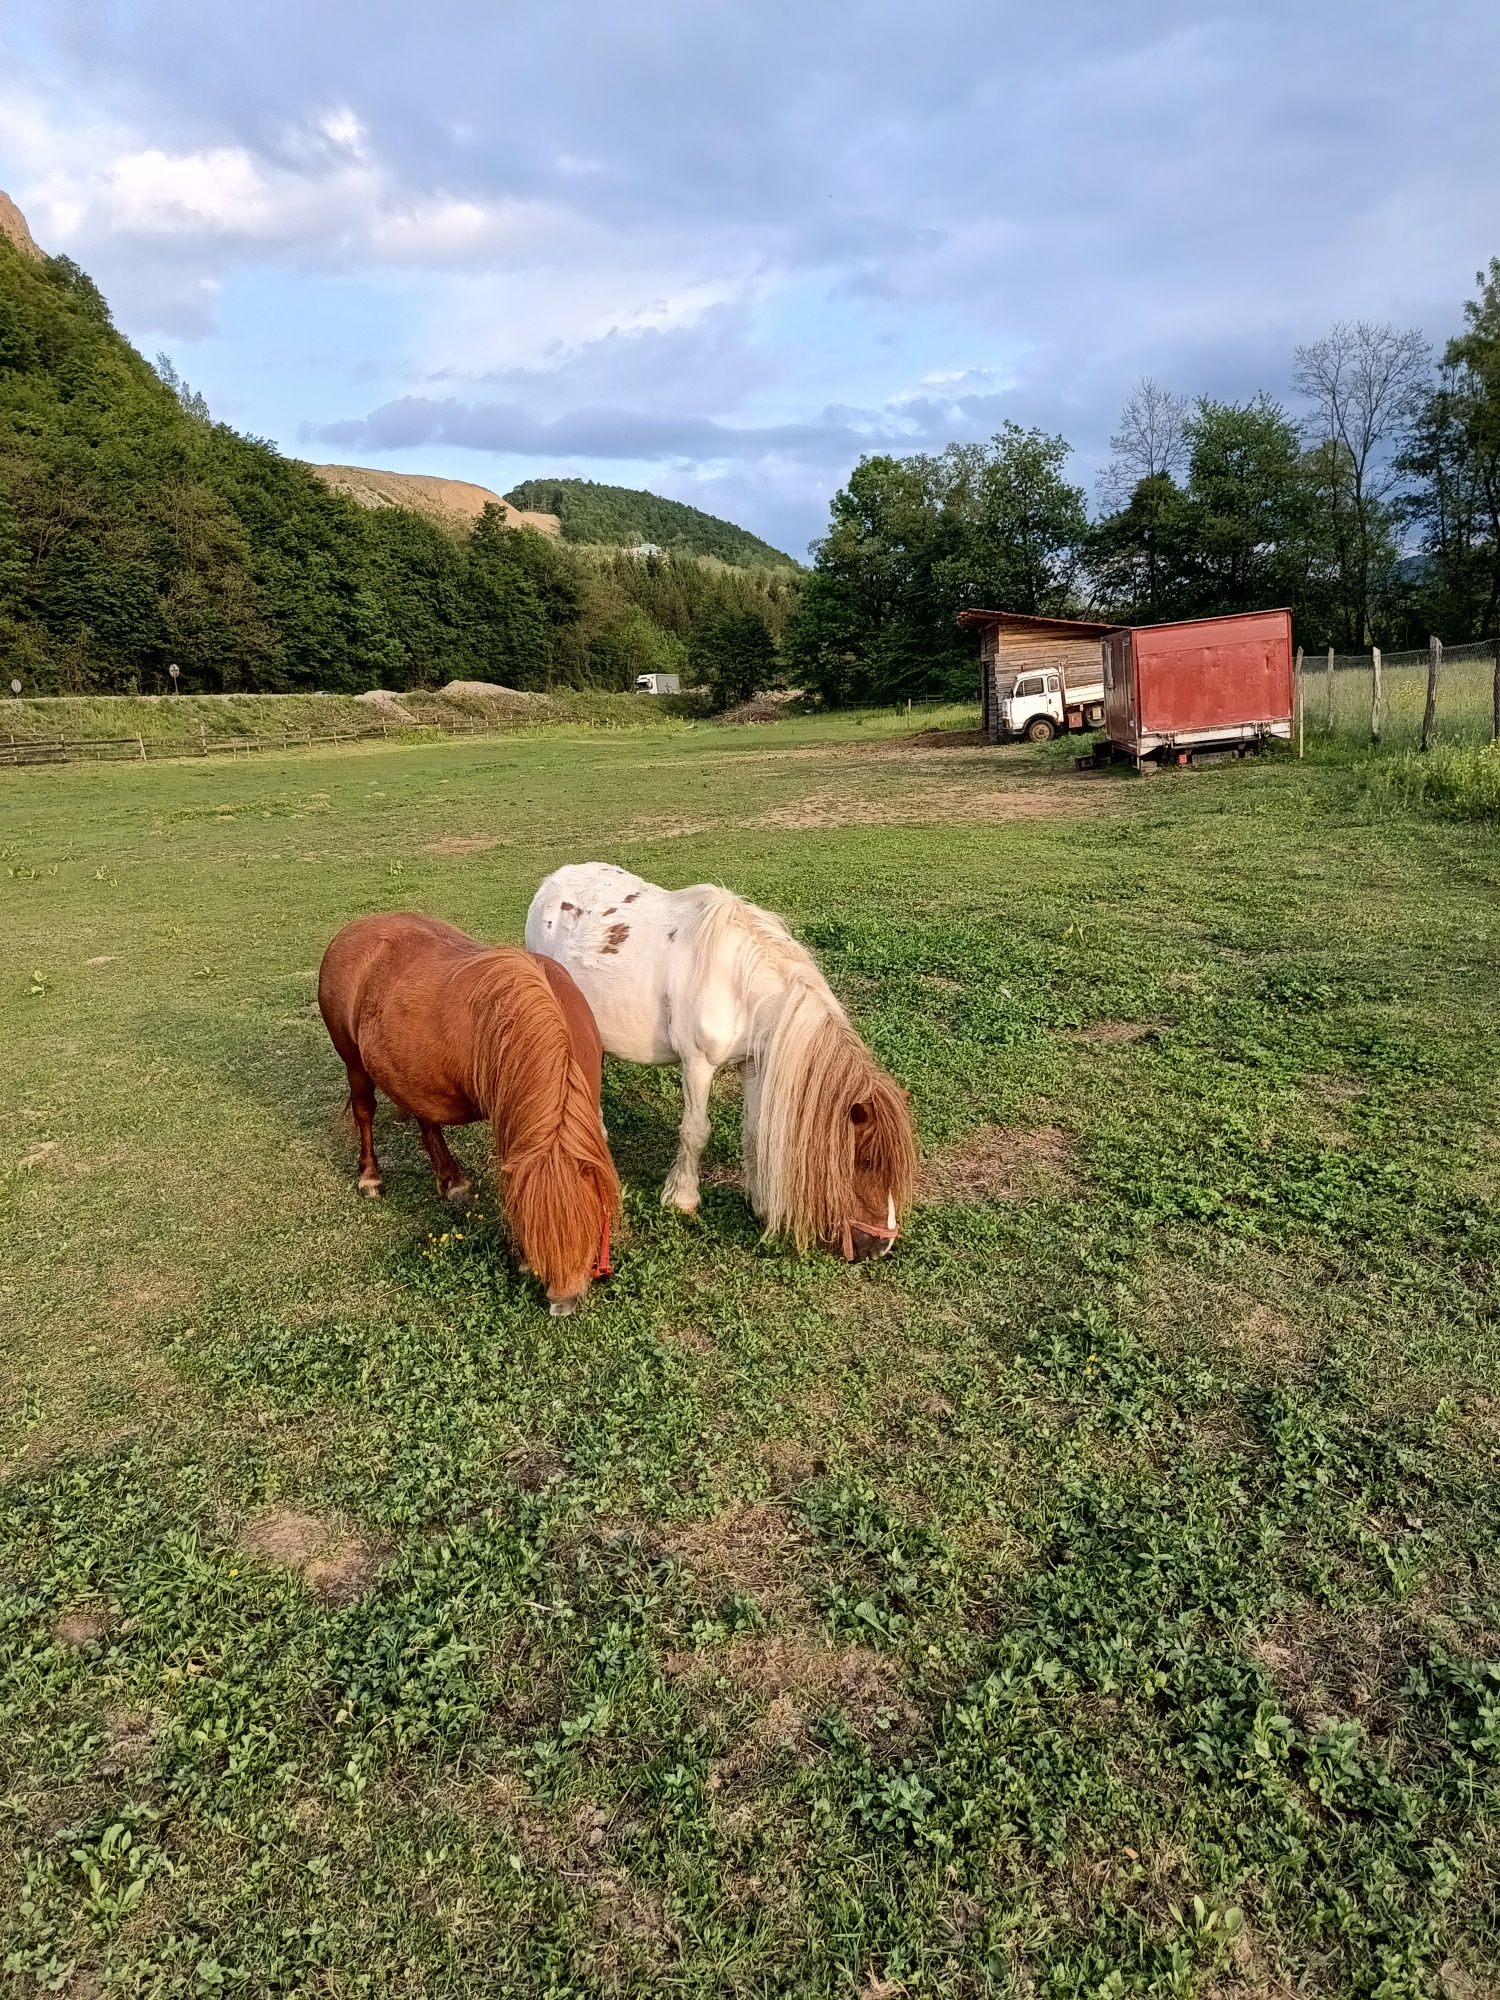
{"x":721,"y":249}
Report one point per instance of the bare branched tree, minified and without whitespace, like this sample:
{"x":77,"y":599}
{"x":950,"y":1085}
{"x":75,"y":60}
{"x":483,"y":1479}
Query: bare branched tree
{"x":1364,"y":382}
{"x":1152,"y":439}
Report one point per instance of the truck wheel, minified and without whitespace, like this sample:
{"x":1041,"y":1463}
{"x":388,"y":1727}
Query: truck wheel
{"x":1040,"y":729}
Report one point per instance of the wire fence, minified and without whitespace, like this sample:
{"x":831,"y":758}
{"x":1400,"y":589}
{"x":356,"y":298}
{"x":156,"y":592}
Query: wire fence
{"x":1383,"y":697}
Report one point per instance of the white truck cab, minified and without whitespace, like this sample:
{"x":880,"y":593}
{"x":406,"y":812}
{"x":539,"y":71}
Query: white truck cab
{"x":658,"y":684}
{"x":1040,"y":706}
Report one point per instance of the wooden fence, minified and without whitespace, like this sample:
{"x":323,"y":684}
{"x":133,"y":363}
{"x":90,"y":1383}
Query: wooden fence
{"x":16,"y":750}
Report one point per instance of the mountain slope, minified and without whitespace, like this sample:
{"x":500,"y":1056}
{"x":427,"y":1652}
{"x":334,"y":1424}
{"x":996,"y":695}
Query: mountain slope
{"x":625,"y":517}
{"x":451,"y":502}
{"x":135,"y":533}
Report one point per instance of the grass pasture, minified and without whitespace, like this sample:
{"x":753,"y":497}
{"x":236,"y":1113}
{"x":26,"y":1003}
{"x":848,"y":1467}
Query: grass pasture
{"x":1098,"y":1597}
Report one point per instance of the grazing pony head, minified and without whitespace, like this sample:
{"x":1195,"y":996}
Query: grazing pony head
{"x":541,"y":1093}
{"x":836,"y":1151}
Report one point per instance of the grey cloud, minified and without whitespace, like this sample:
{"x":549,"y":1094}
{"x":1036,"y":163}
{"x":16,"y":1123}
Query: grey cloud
{"x":606,"y":432}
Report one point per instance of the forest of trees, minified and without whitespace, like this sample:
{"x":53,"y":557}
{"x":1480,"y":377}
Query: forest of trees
{"x":1374,"y":513}
{"x":135,"y":532}
{"x":625,"y":517}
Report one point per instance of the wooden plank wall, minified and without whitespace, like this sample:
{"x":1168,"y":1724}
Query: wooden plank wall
{"x":1003,"y":655}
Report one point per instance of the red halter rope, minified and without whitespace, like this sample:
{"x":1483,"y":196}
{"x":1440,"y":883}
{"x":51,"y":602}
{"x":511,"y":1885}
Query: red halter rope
{"x":879,"y":1229}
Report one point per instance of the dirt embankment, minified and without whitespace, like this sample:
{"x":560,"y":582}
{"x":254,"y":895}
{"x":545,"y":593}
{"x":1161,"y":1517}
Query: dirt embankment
{"x":453,"y":503}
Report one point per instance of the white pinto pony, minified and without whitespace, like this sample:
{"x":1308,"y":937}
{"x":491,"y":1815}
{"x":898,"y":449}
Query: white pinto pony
{"x":699,"y":978}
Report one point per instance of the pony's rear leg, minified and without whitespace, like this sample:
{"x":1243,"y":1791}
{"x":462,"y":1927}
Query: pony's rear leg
{"x":451,"y":1177}
{"x":681,"y":1190}
{"x":362,"y":1104}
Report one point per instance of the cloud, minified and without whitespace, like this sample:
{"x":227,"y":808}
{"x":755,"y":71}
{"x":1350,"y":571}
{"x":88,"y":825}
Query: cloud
{"x":746,"y":244}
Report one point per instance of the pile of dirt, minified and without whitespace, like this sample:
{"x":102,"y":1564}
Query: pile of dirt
{"x":455,"y":503}
{"x":770,"y":706}
{"x":390,"y":706}
{"x":492,"y":697}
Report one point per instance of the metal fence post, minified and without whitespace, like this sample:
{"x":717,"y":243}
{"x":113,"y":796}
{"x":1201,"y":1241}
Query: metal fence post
{"x":1495,"y":704}
{"x":1330,"y":690}
{"x":1301,"y":702}
{"x":1374,"y":694}
{"x":1429,"y":713}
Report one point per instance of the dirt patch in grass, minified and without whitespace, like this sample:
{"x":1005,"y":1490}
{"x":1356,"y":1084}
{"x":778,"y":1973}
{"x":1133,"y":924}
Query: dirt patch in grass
{"x":789,"y":1464}
{"x":82,"y":1628}
{"x":946,"y":739}
{"x":1327,"y":1666}
{"x":335,"y":1564}
{"x":1113,"y":1034}
{"x":932,"y":804}
{"x":127,"y":1739}
{"x":750,"y":1549}
{"x":805,"y":1672}
{"x":663,"y":828}
{"x":1002,"y":1163}
{"x":462,"y":843}
{"x":694,"y":1338}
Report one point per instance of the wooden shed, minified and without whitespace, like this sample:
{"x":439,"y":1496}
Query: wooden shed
{"x":1011,"y":642}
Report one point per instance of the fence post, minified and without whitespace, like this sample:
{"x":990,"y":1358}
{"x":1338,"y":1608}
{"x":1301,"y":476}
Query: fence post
{"x":1496,"y":700}
{"x":1330,"y":690}
{"x":1301,"y":704}
{"x":1429,"y":713}
{"x":1374,"y":694}
{"x":141,"y":746}
{"x":203,"y":739}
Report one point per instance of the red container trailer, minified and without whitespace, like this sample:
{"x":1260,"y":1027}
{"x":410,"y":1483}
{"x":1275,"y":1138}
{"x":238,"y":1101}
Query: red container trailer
{"x":1173,"y":693}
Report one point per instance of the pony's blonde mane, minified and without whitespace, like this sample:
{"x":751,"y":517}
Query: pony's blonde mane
{"x":813,"y":1070}
{"x":551,"y":1160}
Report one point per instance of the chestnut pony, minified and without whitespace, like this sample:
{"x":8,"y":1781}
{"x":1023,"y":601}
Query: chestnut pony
{"x":700,"y":978}
{"x":452,"y":1032}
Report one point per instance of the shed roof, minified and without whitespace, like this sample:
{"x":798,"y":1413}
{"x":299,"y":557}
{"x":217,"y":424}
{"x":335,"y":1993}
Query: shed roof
{"x":1060,"y":628}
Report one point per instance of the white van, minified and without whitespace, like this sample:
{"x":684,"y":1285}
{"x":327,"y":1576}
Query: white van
{"x":658,"y":683}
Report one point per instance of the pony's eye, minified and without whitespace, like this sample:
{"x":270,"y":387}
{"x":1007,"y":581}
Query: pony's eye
{"x":859,"y":1114}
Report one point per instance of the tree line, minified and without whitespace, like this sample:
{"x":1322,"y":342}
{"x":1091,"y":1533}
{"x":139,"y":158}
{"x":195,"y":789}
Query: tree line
{"x":136,"y":533}
{"x":626,"y":517}
{"x":1373,"y":513}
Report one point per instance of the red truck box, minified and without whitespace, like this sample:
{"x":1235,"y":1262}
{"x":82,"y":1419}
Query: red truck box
{"x":1172,"y":692}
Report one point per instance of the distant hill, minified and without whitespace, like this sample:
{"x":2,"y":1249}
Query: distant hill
{"x":625,"y":518}
{"x":451,"y":502}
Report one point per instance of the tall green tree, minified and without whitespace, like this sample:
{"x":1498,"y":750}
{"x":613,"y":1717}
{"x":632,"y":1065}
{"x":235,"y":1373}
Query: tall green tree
{"x":735,"y":657}
{"x":912,"y":542}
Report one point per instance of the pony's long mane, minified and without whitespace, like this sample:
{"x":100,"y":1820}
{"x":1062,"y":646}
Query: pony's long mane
{"x":814,"y":1070}
{"x":551,"y":1159}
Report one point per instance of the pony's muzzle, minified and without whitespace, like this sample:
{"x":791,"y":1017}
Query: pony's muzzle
{"x":863,"y":1246}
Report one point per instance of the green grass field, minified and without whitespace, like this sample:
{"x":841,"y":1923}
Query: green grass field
{"x":1098,"y":1597}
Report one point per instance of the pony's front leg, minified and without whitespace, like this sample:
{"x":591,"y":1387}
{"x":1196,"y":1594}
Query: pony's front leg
{"x":451,"y":1177}
{"x":681,"y":1190}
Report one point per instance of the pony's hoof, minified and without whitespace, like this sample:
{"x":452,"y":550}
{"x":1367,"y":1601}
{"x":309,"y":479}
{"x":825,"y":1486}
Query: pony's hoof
{"x":371,"y":1190}
{"x":685,"y":1204}
{"x":563,"y":1308}
{"x":460,"y":1195}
